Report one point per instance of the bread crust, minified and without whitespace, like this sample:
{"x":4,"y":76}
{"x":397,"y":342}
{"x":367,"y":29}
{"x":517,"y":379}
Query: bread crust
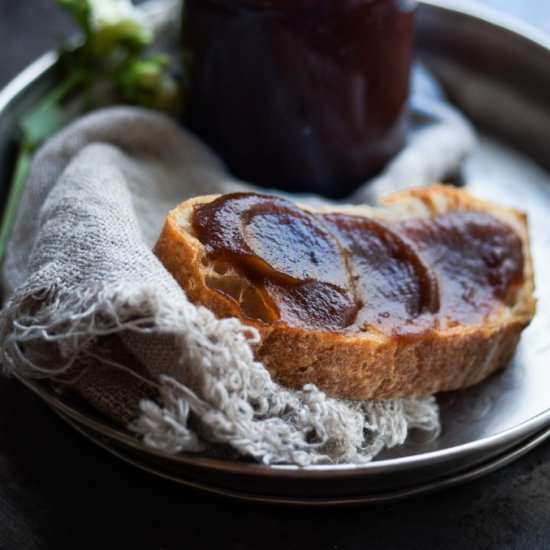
{"x":368,"y":365}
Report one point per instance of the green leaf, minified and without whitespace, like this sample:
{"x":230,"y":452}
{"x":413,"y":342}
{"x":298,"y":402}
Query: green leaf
{"x":40,"y":124}
{"x":48,"y":116}
{"x":17,"y":187}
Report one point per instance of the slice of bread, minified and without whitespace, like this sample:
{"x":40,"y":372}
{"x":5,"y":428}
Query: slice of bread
{"x":367,"y":364}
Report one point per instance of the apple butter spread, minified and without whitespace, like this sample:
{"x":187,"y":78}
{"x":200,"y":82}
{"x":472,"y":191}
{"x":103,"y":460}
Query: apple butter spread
{"x":347,"y":273}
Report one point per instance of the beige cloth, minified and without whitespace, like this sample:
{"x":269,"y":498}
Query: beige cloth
{"x":91,"y":307}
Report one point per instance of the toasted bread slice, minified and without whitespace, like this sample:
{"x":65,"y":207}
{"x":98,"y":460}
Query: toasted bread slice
{"x":367,"y":364}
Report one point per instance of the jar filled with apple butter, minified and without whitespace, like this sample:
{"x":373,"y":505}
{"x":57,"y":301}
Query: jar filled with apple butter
{"x":303,"y":95}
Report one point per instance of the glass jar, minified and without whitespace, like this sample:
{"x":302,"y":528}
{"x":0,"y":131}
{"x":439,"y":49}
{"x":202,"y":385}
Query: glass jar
{"x":303,"y":95}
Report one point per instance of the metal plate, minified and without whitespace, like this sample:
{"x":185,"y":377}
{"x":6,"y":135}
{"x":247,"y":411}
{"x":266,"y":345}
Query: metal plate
{"x":309,"y":500}
{"x":483,"y":427}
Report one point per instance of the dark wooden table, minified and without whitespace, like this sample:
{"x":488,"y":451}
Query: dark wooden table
{"x":58,"y":491}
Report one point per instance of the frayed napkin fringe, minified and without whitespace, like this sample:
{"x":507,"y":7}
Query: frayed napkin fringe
{"x":230,"y":397}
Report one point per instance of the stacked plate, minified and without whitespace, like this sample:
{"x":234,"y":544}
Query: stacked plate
{"x":485,"y":427}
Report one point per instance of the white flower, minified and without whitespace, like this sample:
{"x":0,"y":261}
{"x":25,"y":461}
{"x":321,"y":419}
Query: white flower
{"x":109,"y":13}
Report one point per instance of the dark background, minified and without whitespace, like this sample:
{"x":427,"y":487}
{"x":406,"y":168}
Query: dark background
{"x":57,"y":491}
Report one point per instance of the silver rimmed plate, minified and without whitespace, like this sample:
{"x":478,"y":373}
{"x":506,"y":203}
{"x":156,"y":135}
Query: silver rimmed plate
{"x":312,"y":500}
{"x":484,"y":427}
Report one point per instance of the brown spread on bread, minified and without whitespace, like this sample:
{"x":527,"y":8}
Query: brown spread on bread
{"x":429,"y":292}
{"x":344,"y":273}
